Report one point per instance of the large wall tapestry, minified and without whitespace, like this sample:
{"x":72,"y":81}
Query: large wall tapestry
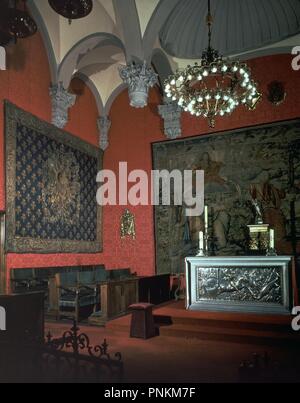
{"x":265,"y":160}
{"x":51,"y":188}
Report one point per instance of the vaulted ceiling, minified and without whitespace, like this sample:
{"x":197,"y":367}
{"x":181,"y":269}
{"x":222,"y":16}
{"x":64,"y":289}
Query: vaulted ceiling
{"x":166,"y":33}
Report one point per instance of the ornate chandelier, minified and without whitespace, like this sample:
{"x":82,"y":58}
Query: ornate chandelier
{"x":72,"y":9}
{"x":214,"y":87}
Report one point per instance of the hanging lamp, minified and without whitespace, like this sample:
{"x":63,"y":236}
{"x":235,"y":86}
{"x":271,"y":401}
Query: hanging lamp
{"x":72,"y":9}
{"x":214,"y":86}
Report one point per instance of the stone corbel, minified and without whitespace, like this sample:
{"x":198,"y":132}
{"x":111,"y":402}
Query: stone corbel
{"x":104,"y":125}
{"x":140,"y":78}
{"x":171,"y":113}
{"x":62,"y":100}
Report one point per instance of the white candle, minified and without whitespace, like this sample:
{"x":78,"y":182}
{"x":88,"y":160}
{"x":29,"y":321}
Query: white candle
{"x":272,"y":239}
{"x":206,"y":217}
{"x":201,"y":241}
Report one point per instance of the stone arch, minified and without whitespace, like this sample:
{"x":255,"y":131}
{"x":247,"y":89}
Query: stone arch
{"x":159,"y":17}
{"x":90,"y":84}
{"x":113,"y":97}
{"x":161,"y":65}
{"x":70,"y":61}
{"x":46,"y":38}
{"x":129,"y":20}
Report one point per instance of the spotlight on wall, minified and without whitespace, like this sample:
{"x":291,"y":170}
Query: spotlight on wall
{"x":276,"y":93}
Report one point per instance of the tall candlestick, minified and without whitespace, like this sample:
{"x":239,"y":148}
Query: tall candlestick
{"x":201,"y":240}
{"x":201,"y":251}
{"x":206,"y":217}
{"x":272,"y":239}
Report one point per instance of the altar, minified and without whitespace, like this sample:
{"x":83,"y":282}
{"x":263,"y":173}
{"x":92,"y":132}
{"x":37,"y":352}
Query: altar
{"x":256,"y":284}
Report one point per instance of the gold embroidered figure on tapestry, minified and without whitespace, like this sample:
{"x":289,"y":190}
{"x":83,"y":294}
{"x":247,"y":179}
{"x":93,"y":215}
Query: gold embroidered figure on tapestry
{"x":128,"y":225}
{"x":61,"y":188}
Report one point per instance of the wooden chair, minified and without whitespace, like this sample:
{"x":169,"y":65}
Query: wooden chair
{"x":75,"y":292}
{"x":119,"y":274}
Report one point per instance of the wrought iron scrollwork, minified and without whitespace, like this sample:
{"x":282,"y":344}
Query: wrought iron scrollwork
{"x":76,"y":341}
{"x":74,"y":357}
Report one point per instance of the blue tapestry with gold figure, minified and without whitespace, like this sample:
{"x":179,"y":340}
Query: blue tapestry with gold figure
{"x":52,"y":176}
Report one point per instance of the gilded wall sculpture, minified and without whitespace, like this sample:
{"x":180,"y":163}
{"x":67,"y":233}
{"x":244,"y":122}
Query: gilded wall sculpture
{"x":50,"y":188}
{"x":264,"y":160}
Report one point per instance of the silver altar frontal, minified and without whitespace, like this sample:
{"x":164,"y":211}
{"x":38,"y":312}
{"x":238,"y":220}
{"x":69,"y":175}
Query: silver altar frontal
{"x":255,"y":284}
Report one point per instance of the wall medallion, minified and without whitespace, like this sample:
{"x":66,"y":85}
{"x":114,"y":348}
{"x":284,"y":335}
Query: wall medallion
{"x":276,"y":93}
{"x":128,"y":225}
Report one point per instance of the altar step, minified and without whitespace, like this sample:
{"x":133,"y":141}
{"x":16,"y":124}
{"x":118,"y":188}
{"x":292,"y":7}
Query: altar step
{"x":234,"y":334}
{"x":173,"y":320}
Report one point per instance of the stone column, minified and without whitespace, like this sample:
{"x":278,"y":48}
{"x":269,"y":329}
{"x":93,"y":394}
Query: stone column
{"x":62,"y":100}
{"x":139,"y":78}
{"x":171,"y":113}
{"x":104,"y":125}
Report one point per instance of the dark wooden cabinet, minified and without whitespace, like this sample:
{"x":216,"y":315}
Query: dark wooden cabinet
{"x":117,"y":296}
{"x":24,"y":317}
{"x":155,"y":289}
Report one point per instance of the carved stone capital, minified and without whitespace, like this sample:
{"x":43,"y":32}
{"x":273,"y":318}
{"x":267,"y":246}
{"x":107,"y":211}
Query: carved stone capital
{"x":171,"y":113}
{"x":62,"y":100}
{"x":139,"y":78}
{"x":104,"y":125}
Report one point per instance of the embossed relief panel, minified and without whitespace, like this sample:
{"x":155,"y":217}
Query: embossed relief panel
{"x":242,"y":284}
{"x":51,"y":188}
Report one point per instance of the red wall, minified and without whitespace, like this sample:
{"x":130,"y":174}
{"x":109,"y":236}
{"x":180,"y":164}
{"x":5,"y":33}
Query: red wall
{"x":26,"y":83}
{"x":133,"y":131}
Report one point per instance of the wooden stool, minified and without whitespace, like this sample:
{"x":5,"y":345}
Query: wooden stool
{"x":142,"y":322}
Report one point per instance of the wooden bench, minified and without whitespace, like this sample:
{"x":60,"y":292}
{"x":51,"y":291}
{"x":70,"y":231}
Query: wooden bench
{"x":113,"y":292}
{"x":117,"y":289}
{"x":43,"y":279}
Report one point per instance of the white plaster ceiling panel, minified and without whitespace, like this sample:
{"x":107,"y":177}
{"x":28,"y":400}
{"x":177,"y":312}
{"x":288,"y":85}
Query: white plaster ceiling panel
{"x":102,"y":55}
{"x":109,"y":8}
{"x":51,"y":20}
{"x":70,"y":63}
{"x":98,"y":21}
{"x":239,"y":25}
{"x":145,"y":9}
{"x":105,"y":77}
